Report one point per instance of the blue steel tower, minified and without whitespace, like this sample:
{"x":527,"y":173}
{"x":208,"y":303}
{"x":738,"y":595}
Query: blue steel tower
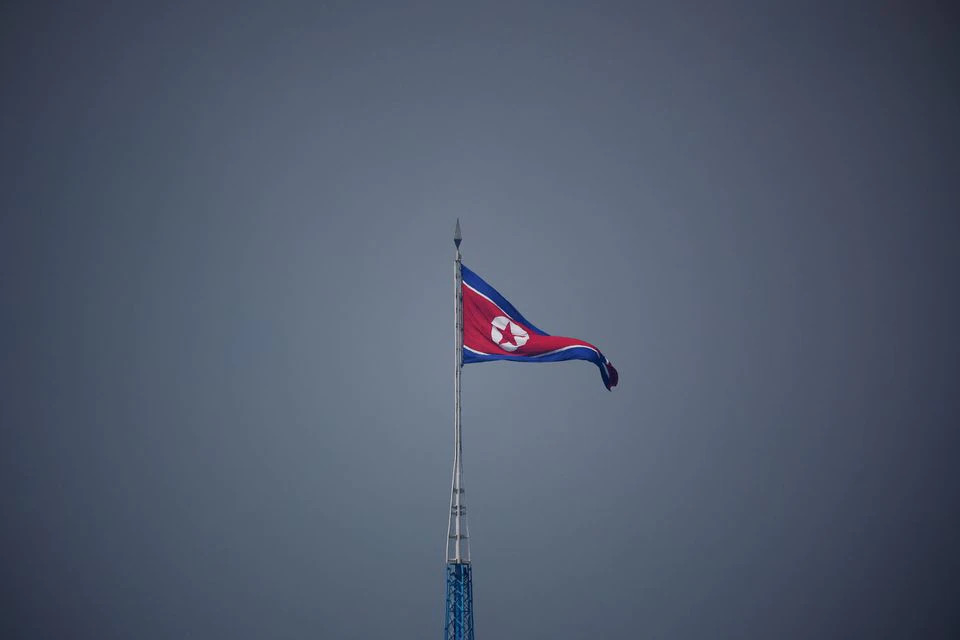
{"x":458,"y":612}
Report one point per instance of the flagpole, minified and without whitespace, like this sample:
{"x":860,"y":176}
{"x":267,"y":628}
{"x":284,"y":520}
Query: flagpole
{"x":458,"y":610}
{"x":458,"y":319}
{"x":456,"y":527}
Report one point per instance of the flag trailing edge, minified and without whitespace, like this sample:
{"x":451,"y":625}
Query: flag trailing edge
{"x":493,"y":329}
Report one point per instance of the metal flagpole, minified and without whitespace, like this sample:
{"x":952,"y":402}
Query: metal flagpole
{"x":457,"y":528}
{"x":458,"y":616}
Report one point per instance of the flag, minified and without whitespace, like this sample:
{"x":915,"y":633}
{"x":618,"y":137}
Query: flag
{"x":493,"y":329}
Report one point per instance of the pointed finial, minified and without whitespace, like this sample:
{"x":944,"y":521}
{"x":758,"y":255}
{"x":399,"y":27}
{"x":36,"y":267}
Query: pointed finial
{"x":456,"y":234}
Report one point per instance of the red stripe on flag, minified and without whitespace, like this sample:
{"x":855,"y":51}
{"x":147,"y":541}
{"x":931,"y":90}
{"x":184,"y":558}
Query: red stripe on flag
{"x":478,"y":315}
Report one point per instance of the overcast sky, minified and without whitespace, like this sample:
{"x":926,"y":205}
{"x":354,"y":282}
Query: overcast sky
{"x":226,"y":385}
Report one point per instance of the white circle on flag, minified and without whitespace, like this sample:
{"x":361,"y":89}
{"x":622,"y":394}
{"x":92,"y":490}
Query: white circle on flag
{"x":507,"y":335}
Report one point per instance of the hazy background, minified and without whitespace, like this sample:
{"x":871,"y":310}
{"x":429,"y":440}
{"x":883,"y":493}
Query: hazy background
{"x":226,"y":330}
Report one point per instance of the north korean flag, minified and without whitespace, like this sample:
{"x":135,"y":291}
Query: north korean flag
{"x":493,"y":329}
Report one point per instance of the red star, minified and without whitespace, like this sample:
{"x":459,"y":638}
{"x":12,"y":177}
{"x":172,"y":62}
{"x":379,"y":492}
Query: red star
{"x":507,"y":336}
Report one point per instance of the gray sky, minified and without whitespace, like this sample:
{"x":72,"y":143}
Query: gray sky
{"x":226,"y":318}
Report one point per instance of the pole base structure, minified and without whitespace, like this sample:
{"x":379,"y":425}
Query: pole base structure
{"x":458,"y":619}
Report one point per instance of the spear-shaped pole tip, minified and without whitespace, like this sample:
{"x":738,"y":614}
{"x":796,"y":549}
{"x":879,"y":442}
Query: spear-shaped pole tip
{"x":456,"y":234}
